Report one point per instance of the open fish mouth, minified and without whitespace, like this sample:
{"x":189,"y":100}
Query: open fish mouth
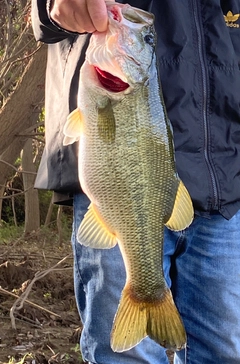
{"x":110,"y":82}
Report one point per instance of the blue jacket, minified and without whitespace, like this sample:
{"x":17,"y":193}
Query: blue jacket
{"x":199,"y":58}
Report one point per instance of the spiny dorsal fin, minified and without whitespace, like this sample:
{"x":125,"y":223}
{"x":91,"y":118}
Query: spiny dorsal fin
{"x":94,"y":233}
{"x":182,"y":214}
{"x":73,"y":127}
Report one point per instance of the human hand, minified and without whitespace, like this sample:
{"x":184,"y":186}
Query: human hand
{"x":80,"y":15}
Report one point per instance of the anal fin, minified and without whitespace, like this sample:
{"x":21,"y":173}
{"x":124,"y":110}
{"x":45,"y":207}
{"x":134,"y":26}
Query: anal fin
{"x":93,"y":232}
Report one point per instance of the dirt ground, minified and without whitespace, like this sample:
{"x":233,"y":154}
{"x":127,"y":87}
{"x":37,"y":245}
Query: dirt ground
{"x":47,"y":328}
{"x":41,"y":336}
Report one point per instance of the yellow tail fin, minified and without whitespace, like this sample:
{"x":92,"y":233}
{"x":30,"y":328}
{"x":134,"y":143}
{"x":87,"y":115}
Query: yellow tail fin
{"x":159,"y":320}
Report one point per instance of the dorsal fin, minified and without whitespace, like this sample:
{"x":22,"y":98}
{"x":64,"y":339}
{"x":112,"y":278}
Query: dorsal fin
{"x":182,"y":214}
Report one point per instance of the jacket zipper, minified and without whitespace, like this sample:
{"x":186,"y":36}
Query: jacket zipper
{"x":203,"y":67}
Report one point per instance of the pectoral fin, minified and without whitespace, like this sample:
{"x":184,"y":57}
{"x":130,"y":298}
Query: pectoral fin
{"x":182,"y":214}
{"x":73,"y":127}
{"x":106,"y":123}
{"x":94,"y":233}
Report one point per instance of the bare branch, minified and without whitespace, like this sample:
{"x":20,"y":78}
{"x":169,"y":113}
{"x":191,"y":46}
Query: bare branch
{"x":15,"y":194}
{"x":8,"y":30}
{"x":17,"y":169}
{"x":20,"y":301}
{"x":2,"y":290}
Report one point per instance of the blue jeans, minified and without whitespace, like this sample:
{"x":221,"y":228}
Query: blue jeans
{"x":202,"y":267}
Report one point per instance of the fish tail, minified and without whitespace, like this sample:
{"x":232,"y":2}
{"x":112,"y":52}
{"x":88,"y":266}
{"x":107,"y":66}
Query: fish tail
{"x":164,"y":324}
{"x":130,"y":324}
{"x":135,"y":320}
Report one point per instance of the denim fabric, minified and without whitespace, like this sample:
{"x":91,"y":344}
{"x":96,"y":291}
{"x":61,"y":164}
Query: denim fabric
{"x":202,"y":267}
{"x":205,"y":274}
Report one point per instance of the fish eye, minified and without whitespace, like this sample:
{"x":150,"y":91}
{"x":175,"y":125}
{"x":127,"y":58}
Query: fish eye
{"x":149,"y":39}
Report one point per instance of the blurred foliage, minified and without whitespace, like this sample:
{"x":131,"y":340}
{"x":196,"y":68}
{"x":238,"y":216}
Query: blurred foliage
{"x":16,"y":43}
{"x":9,"y":232}
{"x":14,"y":187}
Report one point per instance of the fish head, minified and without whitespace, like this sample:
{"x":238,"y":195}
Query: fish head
{"x":119,"y":59}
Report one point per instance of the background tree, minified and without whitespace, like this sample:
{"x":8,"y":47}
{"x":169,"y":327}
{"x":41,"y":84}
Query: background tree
{"x":22,"y":74}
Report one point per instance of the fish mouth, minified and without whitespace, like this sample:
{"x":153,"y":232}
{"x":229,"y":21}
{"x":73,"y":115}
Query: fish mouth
{"x":110,"y":82}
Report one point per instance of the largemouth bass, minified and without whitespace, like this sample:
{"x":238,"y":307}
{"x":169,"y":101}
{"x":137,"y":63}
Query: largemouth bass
{"x":127,"y":169}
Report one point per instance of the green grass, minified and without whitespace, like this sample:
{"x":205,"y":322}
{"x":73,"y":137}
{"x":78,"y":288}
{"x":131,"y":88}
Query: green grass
{"x":9,"y":232}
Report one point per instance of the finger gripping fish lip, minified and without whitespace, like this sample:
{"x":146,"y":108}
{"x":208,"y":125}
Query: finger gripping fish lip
{"x":110,"y":82}
{"x":116,"y":14}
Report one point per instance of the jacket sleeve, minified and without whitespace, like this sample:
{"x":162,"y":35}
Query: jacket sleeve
{"x":45,"y":30}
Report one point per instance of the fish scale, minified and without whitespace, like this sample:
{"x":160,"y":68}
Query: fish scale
{"x":127,"y":169}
